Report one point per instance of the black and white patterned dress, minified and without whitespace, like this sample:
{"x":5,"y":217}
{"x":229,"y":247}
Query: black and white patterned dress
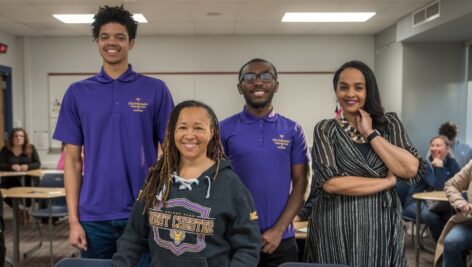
{"x":360,"y":231}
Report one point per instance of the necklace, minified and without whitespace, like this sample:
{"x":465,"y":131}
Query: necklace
{"x":352,"y":132}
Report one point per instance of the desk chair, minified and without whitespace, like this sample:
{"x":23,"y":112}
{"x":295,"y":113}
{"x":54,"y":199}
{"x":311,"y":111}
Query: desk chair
{"x":81,"y":262}
{"x":403,"y":189}
{"x":58,"y":207}
{"x":303,"y":264}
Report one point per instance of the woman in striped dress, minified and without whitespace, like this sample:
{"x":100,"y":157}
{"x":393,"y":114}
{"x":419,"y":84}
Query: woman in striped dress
{"x":357,"y":158}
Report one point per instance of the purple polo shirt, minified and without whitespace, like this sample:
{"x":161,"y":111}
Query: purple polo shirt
{"x":262,"y":152}
{"x":120,"y":123}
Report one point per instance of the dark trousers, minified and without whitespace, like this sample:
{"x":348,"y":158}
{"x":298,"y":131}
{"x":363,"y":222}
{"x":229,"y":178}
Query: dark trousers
{"x":102,"y":237}
{"x":287,"y":251}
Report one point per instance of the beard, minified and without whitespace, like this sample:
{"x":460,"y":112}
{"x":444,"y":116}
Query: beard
{"x":258,"y":104}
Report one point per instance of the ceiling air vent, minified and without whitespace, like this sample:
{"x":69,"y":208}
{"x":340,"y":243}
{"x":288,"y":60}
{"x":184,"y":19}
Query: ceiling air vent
{"x":425,"y":14}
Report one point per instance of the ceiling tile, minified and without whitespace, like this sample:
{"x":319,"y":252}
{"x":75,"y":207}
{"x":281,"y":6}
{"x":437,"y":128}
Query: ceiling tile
{"x":228,"y":12}
{"x":19,"y":29}
{"x":255,"y":28}
{"x":26,"y":14}
{"x":146,"y":29}
{"x":175,"y":28}
{"x":155,"y":12}
{"x":60,"y":2}
{"x":294,"y":28}
{"x":13,"y":2}
{"x":260,"y":12}
{"x":212,"y":28}
{"x":189,"y":17}
{"x":334,"y":28}
{"x":69,"y":8}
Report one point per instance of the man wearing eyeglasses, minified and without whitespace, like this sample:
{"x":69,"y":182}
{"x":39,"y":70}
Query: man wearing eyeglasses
{"x":269,"y":153}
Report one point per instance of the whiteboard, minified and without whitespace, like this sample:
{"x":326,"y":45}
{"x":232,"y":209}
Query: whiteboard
{"x":303,"y":97}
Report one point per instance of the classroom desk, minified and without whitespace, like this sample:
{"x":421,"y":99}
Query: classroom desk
{"x":5,"y":195}
{"x":17,"y":193}
{"x":4,"y":192}
{"x":14,"y":174}
{"x":433,"y":195}
{"x":35,"y":173}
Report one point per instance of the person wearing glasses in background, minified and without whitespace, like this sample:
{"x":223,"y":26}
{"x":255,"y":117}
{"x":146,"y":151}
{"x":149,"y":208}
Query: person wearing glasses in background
{"x":269,"y":153}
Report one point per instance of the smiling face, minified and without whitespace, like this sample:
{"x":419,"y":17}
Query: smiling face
{"x":258,"y":94}
{"x":114,"y":44}
{"x":193,"y":132}
{"x":438,"y":148}
{"x":351,"y":91}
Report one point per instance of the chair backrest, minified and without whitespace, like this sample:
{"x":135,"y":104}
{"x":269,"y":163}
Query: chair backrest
{"x":54,"y":180}
{"x":79,"y":262}
{"x":303,"y":264}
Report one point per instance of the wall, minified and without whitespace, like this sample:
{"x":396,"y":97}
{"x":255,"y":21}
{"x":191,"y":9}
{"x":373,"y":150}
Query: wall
{"x":178,"y":54}
{"x":449,"y":11}
{"x":434,"y":89}
{"x":13,"y":59}
{"x":388,"y":70}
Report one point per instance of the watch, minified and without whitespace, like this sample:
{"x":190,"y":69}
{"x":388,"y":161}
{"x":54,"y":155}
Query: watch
{"x":371,"y":136}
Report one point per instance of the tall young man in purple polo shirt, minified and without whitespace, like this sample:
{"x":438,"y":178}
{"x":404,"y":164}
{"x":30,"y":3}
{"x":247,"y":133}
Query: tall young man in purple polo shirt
{"x":119,"y":116}
{"x":269,"y":153}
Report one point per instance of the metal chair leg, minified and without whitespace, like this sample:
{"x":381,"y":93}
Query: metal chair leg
{"x":40,"y":243}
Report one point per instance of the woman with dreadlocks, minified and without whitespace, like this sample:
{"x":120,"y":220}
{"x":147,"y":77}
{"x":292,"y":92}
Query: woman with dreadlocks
{"x":193,"y":209}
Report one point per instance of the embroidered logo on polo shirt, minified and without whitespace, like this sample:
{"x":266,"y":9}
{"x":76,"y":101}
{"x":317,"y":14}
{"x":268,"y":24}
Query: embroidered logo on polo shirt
{"x":281,"y":142}
{"x":182,"y":226}
{"x":137,"y":105}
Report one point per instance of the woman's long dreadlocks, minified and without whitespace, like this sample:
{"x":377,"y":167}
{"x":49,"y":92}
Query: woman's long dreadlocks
{"x":160,"y":175}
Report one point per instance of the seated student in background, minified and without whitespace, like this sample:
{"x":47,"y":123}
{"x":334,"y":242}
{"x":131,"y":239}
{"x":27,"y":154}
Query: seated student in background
{"x":193,"y":209}
{"x":461,"y":151}
{"x":18,"y":155}
{"x":440,"y":168}
{"x":456,"y":239}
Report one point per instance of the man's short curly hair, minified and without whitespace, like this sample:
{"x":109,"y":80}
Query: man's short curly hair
{"x":116,"y":14}
{"x":448,"y":129}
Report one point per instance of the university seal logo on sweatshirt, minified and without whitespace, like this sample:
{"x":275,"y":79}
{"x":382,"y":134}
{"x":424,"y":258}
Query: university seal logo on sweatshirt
{"x":182,"y":226}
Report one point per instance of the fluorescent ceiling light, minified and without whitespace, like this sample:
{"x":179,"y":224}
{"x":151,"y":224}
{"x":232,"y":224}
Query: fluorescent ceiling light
{"x":88,"y":18}
{"x":327,"y":16}
{"x":140,"y":18}
{"x":74,"y":18}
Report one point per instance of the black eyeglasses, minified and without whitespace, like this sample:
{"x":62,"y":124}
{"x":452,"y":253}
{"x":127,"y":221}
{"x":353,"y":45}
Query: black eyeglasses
{"x":252,"y":77}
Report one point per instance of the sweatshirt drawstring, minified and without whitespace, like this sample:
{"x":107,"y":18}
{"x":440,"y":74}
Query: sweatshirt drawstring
{"x":209,"y":187}
{"x":159,"y":196}
{"x":185,"y":184}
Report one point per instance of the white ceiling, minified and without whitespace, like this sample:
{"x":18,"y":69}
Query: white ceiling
{"x":189,"y":17}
